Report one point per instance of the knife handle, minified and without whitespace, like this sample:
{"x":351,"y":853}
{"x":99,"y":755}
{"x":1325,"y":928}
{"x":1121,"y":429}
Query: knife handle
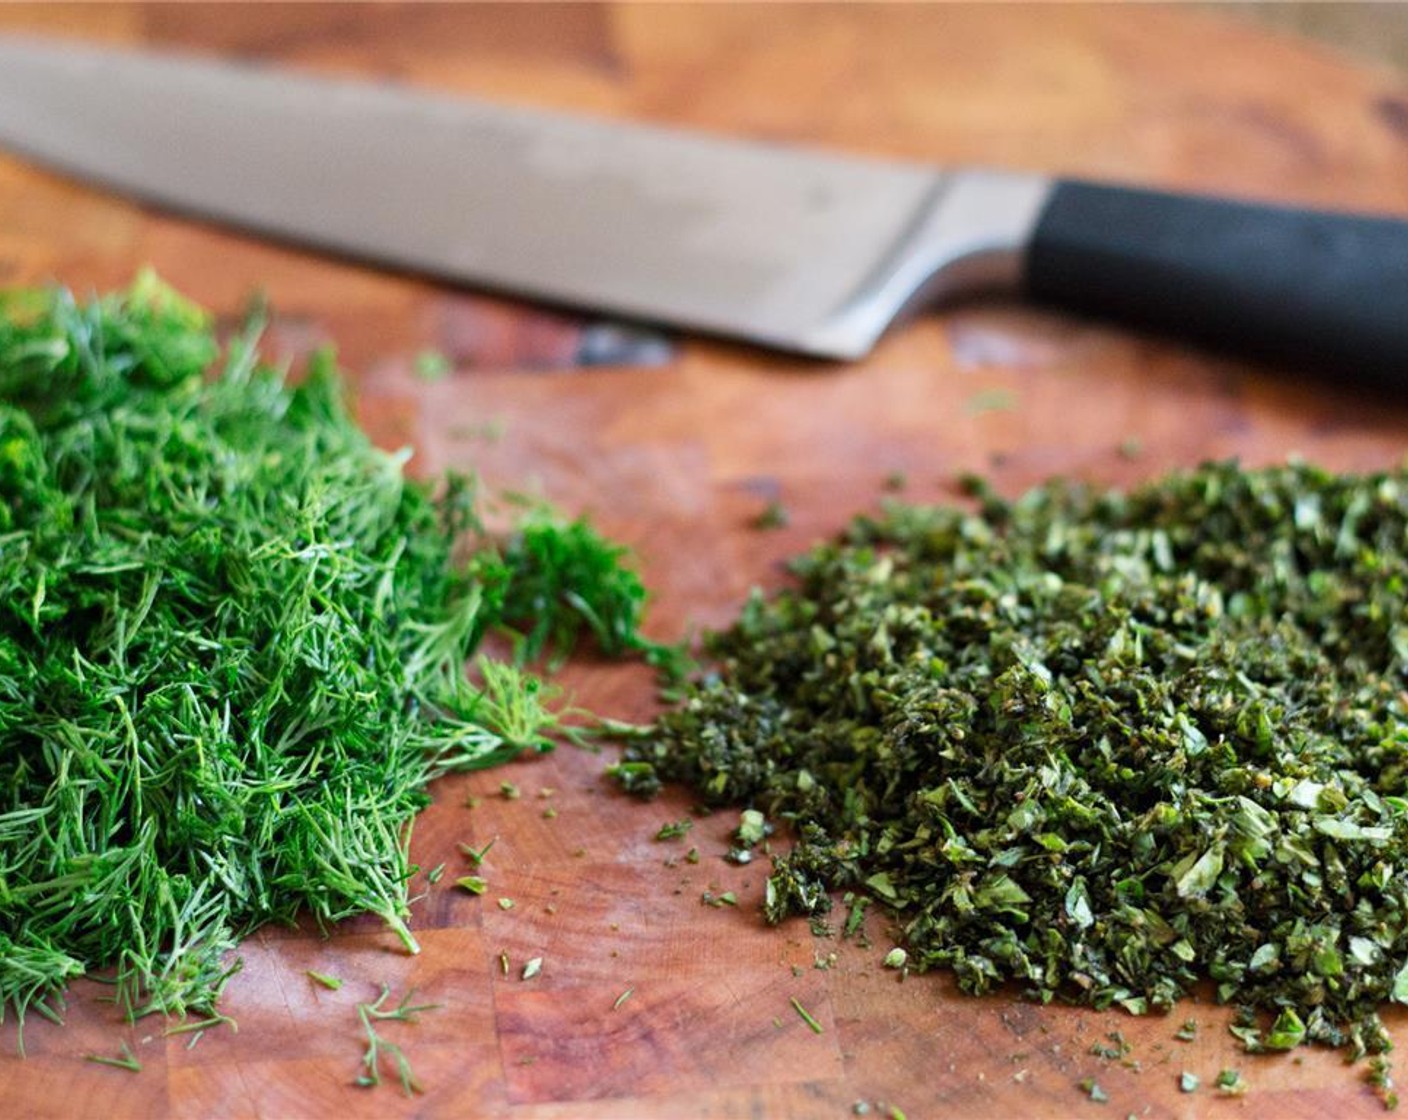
{"x":1304,"y":288}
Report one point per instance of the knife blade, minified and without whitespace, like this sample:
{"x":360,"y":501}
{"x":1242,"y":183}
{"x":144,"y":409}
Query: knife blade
{"x":785,"y":246}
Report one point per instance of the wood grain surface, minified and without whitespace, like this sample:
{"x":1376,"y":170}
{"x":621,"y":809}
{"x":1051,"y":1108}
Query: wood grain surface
{"x":675,"y":445}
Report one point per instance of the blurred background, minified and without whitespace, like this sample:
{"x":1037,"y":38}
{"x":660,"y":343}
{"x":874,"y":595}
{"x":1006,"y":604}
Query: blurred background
{"x":1376,"y":31}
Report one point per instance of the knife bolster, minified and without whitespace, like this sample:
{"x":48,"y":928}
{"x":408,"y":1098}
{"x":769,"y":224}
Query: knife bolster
{"x":969,"y":236}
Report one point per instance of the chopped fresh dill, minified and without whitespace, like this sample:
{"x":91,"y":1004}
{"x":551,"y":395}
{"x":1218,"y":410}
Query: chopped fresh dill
{"x":622,"y":998}
{"x":233,"y":638}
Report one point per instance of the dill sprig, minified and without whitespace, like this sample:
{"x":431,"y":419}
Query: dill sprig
{"x":378,"y":1047}
{"x":233,"y":638}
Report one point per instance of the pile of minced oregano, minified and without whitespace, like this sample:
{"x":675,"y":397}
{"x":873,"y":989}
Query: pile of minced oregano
{"x":1101,"y":745}
{"x":232,"y":647}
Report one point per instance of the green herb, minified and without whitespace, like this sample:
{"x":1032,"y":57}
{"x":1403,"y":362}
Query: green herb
{"x":622,"y":998}
{"x":1286,"y":1033}
{"x":806,"y":1016}
{"x":896,"y":958}
{"x":1092,"y":1089}
{"x":232,"y":646}
{"x":674,"y":831}
{"x":332,"y":983}
{"x":692,"y":856}
{"x":505,"y":904}
{"x":431,"y":365}
{"x":565,"y":579}
{"x":773,"y":516}
{"x":435,"y":874}
{"x":472,"y":883}
{"x":509,"y":792}
{"x":991,"y":400}
{"x":549,"y":813}
{"x":752,"y":829}
{"x":1188,"y":1082}
{"x":856,"y":917}
{"x":476,"y":855}
{"x":200,"y":1026}
{"x":1231,"y":1083}
{"x":375,"y":1012}
{"x":1188,"y":1031}
{"x":1117,"y":1048}
{"x":1380,"y":1076}
{"x":727,"y":898}
{"x":126,"y":1060}
{"x":1105,"y":745}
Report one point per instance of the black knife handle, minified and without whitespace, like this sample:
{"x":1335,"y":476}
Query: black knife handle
{"x":1303,"y":288}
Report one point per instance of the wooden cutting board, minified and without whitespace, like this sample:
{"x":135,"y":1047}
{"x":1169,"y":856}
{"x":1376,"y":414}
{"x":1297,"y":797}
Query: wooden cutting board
{"x":674,"y":446}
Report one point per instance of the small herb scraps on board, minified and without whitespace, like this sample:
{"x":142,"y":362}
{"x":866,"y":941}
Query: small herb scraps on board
{"x":233,"y":638}
{"x":1101,"y":745}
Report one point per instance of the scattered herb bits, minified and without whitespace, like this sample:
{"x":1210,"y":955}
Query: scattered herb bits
{"x":125,"y":1060}
{"x":773,"y":516}
{"x":1101,"y":745}
{"x":233,"y":637}
{"x":806,"y":1016}
{"x":674,"y":830}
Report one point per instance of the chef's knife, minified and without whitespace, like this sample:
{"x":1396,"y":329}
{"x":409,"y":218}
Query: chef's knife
{"x":784,"y":246}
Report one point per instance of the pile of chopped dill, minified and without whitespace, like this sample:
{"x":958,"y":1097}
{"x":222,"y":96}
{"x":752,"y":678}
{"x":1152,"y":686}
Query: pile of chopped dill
{"x":1100,"y":745}
{"x":233,"y":638}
